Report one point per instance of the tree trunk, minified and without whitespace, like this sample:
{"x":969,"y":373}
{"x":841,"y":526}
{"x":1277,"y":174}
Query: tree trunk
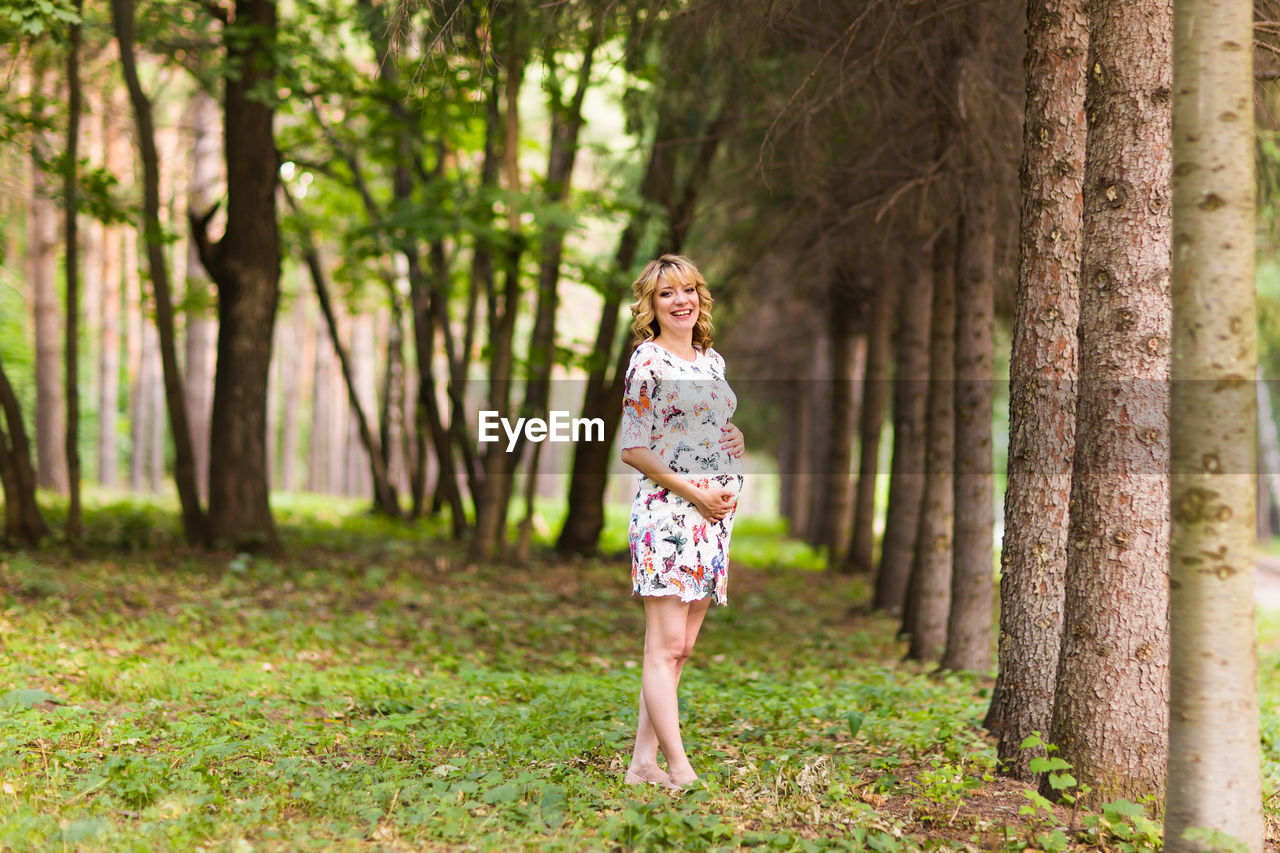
{"x":140,"y":358}
{"x":202,"y":323}
{"x":566,"y":124}
{"x":1214,"y":770}
{"x":23,"y":523}
{"x":71,"y":234}
{"x":245,"y":264}
{"x":906,"y":476}
{"x":1042,"y":379}
{"x":973,"y":560}
{"x":42,"y":237}
{"x":321,"y":417}
{"x":841,"y":296}
{"x":92,"y":234}
{"x":193,"y":519}
{"x":1111,"y":701}
{"x":875,"y":394}
{"x":116,"y":160}
{"x":929,"y":593}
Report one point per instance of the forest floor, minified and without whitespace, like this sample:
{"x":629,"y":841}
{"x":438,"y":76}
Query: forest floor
{"x":371,"y":691}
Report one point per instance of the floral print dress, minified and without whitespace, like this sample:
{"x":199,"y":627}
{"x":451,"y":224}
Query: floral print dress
{"x":677,"y":408}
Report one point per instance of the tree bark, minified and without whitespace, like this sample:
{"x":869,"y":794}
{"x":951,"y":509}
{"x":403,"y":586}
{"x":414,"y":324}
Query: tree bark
{"x":929,"y":592}
{"x":42,"y":236}
{"x":245,"y":265}
{"x":973,"y":560}
{"x":875,"y":396}
{"x":906,"y":476}
{"x":193,"y":518}
{"x":848,"y":374}
{"x":201,"y":316}
{"x":1042,"y":379}
{"x":116,"y":162}
{"x":23,"y":522}
{"x":1111,"y":701}
{"x":71,"y":258}
{"x":1214,"y":769}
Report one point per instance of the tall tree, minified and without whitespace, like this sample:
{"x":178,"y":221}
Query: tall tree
{"x":71,"y":234}
{"x":1214,"y":770}
{"x":972,"y":582}
{"x":1042,"y":374}
{"x":1111,"y":700}
{"x":245,"y":266}
{"x":193,"y":518}
{"x":906,"y":473}
{"x":201,"y":322}
{"x":42,"y":236}
{"x":924,"y":616}
{"x":115,"y":161}
{"x":875,"y":396}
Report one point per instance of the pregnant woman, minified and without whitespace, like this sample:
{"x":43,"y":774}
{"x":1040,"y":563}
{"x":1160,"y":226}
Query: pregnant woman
{"x":676,"y":433}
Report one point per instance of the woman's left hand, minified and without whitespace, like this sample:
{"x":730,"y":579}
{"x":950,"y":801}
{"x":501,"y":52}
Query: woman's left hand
{"x":732,"y":441}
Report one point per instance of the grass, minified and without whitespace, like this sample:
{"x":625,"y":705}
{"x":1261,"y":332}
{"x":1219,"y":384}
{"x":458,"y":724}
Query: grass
{"x":371,"y":691}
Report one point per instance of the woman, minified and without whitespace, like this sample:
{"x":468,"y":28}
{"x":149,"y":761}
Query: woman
{"x":676,"y":433}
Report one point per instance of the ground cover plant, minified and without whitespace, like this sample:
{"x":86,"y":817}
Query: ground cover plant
{"x":371,"y":691}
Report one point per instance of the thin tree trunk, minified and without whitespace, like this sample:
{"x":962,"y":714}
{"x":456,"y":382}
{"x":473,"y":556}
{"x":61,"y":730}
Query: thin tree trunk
{"x":1214,"y":770}
{"x":1042,"y":379}
{"x":92,"y":234}
{"x":109,"y":364}
{"x":321,"y":417}
{"x":202,"y":323}
{"x":71,"y":234}
{"x":42,"y":237}
{"x":1111,"y":701}
{"x":844,"y":413}
{"x":929,"y":592}
{"x":875,"y":394}
{"x":136,"y":331}
{"x":906,"y":475}
{"x":141,"y":408}
{"x":969,"y":643}
{"x":116,"y":158}
{"x":193,"y":518}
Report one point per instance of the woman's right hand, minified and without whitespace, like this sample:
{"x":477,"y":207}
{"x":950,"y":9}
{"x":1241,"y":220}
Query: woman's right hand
{"x":714,"y":502}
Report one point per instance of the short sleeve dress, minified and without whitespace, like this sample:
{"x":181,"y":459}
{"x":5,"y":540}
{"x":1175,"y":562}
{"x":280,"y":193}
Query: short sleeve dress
{"x":677,"y":408}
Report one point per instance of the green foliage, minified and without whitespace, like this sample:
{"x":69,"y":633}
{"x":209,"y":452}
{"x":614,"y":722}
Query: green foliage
{"x":33,"y":18}
{"x":373,"y":691}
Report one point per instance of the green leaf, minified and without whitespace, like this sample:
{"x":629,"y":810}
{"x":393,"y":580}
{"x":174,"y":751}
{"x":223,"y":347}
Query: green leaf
{"x":1061,"y":781}
{"x":855,"y":719}
{"x":28,"y":698}
{"x":507,"y":793}
{"x":1123,"y":808}
{"x":1048,"y":765}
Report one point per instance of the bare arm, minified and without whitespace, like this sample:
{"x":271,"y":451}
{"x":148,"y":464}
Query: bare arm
{"x":714,"y":504}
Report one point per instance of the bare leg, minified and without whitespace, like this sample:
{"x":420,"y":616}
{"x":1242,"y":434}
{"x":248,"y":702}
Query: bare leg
{"x":644,"y":758}
{"x":672,"y":629}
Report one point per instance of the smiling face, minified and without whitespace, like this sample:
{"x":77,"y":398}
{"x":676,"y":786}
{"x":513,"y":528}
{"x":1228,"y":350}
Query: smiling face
{"x":675,"y":307}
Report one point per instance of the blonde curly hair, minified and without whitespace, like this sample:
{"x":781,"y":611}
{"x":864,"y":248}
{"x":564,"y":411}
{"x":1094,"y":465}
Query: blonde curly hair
{"x":675,"y":271}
